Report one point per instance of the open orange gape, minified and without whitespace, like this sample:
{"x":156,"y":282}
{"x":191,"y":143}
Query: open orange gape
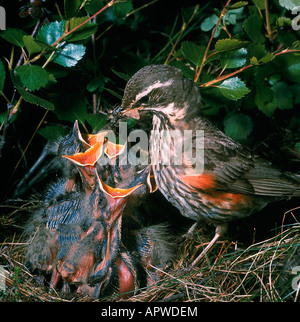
{"x":79,"y":237}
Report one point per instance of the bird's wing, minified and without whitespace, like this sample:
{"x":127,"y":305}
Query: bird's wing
{"x":63,"y":212}
{"x":231,"y":167}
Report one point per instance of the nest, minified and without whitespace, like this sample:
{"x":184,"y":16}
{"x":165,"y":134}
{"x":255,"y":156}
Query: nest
{"x":266,"y":271}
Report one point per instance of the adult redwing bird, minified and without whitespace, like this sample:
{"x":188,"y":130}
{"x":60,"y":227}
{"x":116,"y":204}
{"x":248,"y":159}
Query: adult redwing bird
{"x":225,"y":181}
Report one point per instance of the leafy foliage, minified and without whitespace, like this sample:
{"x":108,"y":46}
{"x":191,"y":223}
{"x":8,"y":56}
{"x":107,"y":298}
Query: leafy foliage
{"x":75,"y":57}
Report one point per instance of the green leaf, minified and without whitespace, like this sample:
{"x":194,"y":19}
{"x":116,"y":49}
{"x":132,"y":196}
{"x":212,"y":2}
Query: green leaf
{"x":52,"y":32}
{"x":283,"y":96}
{"x":238,"y":5}
{"x":265,"y":100}
{"x":70,"y":106}
{"x":193,"y":52}
{"x":229,"y":44}
{"x":53,"y":132}
{"x":32,"y":77}
{"x":238,"y":126}
{"x":296,"y":45}
{"x":284,"y":22}
{"x":83,"y":32}
{"x":122,"y":8}
{"x":123,"y":76}
{"x":35,"y":46}
{"x":209,"y":23}
{"x":67,"y":54}
{"x":256,"y":50}
{"x":71,"y":6}
{"x":234,"y":59}
{"x":14,"y":36}
{"x":113,"y":93}
{"x":292,"y":67}
{"x":2,"y":75}
{"x":97,"y":121}
{"x":260,"y":4}
{"x":29,"y":97}
{"x":97,"y":82}
{"x":31,"y":45}
{"x":289,"y":4}
{"x":233,"y":88}
{"x":267,"y":58}
{"x":93,"y":6}
{"x":252,"y":26}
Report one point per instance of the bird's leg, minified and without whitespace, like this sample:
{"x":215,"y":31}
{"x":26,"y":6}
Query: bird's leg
{"x":54,"y":280}
{"x":220,"y":230}
{"x":190,"y":233}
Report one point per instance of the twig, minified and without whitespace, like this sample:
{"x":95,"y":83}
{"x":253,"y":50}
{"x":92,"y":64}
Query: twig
{"x":224,"y":11}
{"x":268,"y":26}
{"x":219,"y":79}
{"x":183,"y":28}
{"x":33,"y":135}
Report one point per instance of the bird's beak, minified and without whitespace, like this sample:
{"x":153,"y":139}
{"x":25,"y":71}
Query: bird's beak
{"x":115,"y":193}
{"x":92,"y":139}
{"x":89,"y":157}
{"x":113,"y":150}
{"x":132,"y":112}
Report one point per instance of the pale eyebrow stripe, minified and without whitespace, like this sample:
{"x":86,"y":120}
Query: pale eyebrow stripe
{"x":151,"y":87}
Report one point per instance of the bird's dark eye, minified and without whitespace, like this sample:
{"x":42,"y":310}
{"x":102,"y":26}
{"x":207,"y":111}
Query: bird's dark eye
{"x":143,"y":100}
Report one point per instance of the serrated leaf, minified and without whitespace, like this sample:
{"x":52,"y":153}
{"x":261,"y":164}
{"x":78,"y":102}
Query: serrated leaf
{"x":83,"y":32}
{"x":34,"y":46}
{"x":209,"y":23}
{"x":267,"y":58}
{"x":33,"y":77}
{"x":193,"y":52}
{"x":256,"y":50}
{"x":93,"y":6}
{"x":29,"y":97}
{"x":122,"y":8}
{"x":253,"y":26}
{"x":238,"y":5}
{"x":71,"y":6}
{"x":233,"y":59}
{"x":14,"y":36}
{"x":31,"y":45}
{"x":238,"y":126}
{"x":233,"y":88}
{"x":229,"y":44}
{"x":2,"y":75}
{"x":289,"y":4}
{"x":67,"y":54}
{"x":52,"y":32}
